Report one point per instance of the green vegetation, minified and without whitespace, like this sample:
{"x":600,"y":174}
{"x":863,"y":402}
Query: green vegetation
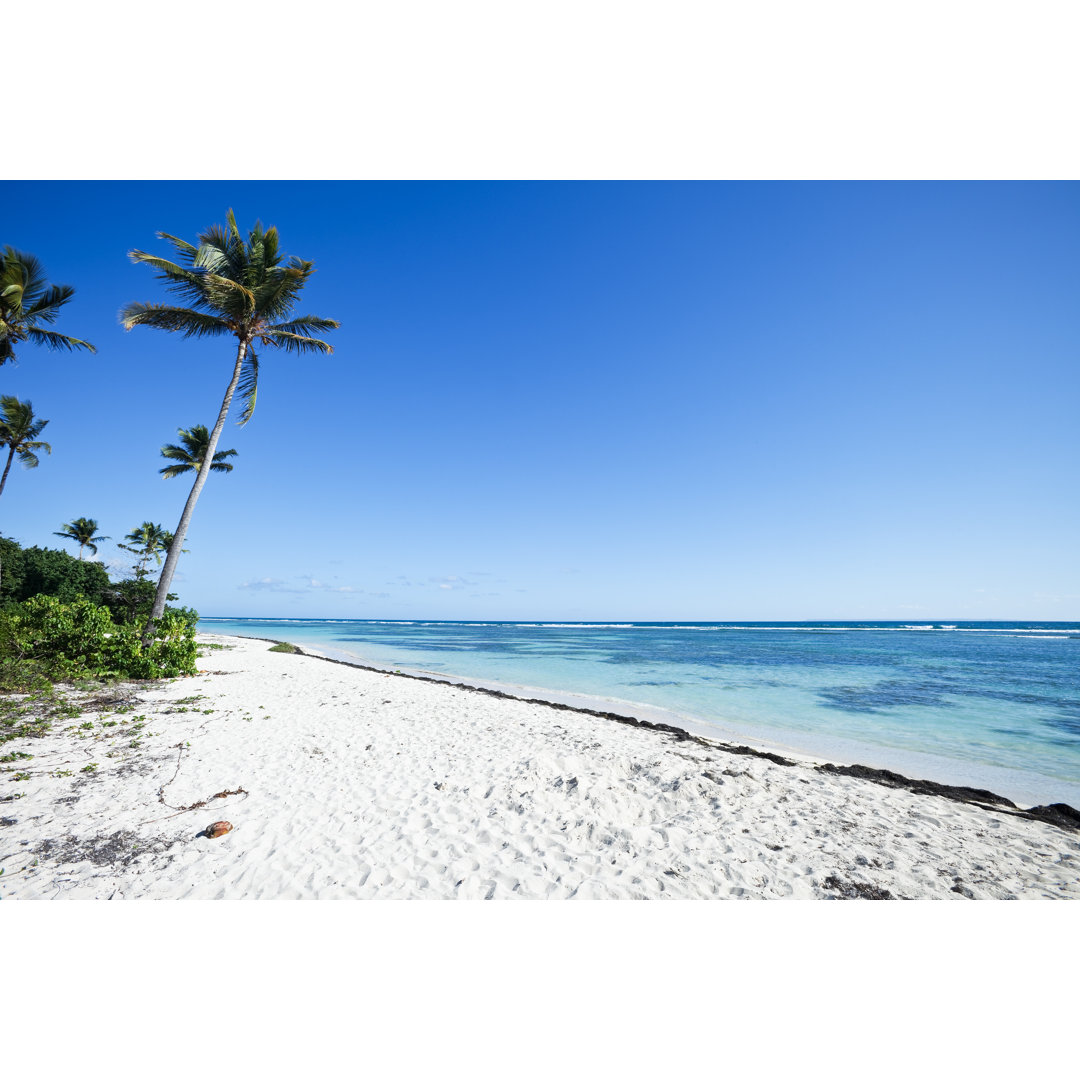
{"x":45,"y":640}
{"x":19,"y":431}
{"x":82,"y":531}
{"x":283,"y":646}
{"x":189,"y":457}
{"x":33,"y":571}
{"x":28,"y":305}
{"x":238,"y":288}
{"x":30,"y":716}
{"x":143,"y":541}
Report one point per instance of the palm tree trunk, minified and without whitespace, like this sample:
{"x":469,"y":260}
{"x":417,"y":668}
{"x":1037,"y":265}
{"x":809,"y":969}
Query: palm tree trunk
{"x":7,"y":469}
{"x":185,"y":518}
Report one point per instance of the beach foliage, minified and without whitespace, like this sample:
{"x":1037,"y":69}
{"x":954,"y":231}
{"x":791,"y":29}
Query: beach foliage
{"x":48,"y":639}
{"x":19,"y":431}
{"x":34,"y":571}
{"x":131,"y":600}
{"x":29,"y":305}
{"x":236,"y":287}
{"x":30,"y":715}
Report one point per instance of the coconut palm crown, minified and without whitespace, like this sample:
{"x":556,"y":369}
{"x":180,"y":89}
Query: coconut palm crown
{"x":19,"y":431}
{"x":189,"y":457}
{"x":236,"y":288}
{"x":29,"y":305}
{"x":82,"y":531}
{"x":148,"y":539}
{"x":243,"y":289}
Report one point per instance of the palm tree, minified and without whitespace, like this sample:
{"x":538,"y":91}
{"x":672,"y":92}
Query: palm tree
{"x":82,"y":530}
{"x":18,"y":431}
{"x":27,"y":302}
{"x":236,"y":288}
{"x":166,"y":542}
{"x":148,"y":539}
{"x":189,"y":457}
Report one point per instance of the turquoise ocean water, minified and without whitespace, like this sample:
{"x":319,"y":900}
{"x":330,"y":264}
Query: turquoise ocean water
{"x":994,"y":705}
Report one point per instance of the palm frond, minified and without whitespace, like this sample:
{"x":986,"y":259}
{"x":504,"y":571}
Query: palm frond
{"x":189,"y":457}
{"x":228,"y":295}
{"x":312,"y":323}
{"x":174,"y":319}
{"x":28,"y":453}
{"x":219,"y":464}
{"x":24,"y":269}
{"x":178,"y":279}
{"x":26,"y":302}
{"x":216,"y":255}
{"x":248,"y":387}
{"x":47,"y":306}
{"x":184,"y":250}
{"x":282,"y":288}
{"x":54,"y":340}
{"x":271,"y":251}
{"x":172,"y":471}
{"x":294,"y":342}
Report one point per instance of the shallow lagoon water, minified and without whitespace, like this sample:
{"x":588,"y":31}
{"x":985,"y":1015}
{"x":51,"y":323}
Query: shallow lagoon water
{"x":994,"y":705}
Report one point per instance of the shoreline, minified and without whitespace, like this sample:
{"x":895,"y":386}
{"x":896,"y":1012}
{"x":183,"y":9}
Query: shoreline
{"x":869,"y":758}
{"x":342,"y":782}
{"x":1057,"y":813}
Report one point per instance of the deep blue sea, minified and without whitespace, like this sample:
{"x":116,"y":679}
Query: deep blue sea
{"x":994,"y":705}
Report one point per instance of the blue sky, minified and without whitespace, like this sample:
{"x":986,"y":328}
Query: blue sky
{"x":589,"y":400}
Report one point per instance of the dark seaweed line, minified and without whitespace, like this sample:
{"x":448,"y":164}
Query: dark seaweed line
{"x":1062,"y":815}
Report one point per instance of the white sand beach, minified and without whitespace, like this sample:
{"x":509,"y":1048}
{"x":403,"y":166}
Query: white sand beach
{"x":341,"y":782}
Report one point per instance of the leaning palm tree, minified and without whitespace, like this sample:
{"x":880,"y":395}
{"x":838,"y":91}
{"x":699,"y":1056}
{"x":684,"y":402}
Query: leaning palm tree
{"x":82,"y":531}
{"x":238,"y":288}
{"x":189,"y":457}
{"x":28,"y":305}
{"x":19,"y":431}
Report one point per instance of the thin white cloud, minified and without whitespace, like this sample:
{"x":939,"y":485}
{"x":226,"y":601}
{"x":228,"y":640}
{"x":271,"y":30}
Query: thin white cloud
{"x":268,"y":584}
{"x":453,"y":581}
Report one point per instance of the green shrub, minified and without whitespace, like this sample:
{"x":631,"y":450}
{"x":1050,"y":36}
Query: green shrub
{"x":131,"y":602}
{"x":189,"y":616}
{"x":34,"y":571}
{"x":47,"y":637}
